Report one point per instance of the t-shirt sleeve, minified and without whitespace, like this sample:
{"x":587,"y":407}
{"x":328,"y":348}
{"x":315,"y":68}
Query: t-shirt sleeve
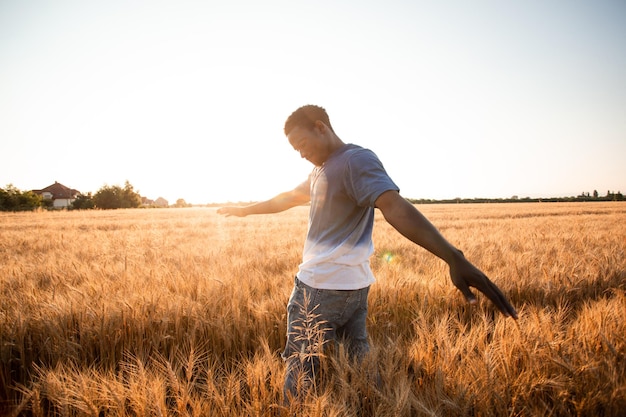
{"x":305,"y":186}
{"x":366,"y":178}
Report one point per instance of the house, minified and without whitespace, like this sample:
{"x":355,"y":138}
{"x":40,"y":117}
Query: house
{"x":60,"y":195}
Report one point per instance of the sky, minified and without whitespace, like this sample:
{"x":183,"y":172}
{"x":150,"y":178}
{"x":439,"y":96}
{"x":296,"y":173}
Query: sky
{"x":187,"y":99}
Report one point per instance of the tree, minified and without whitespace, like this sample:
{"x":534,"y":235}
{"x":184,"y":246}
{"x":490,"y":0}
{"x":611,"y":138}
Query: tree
{"x":181,"y":203}
{"x":114,"y":197}
{"x":108,"y":197}
{"x":12,"y":199}
{"x":83,"y":202}
{"x":130,"y":198}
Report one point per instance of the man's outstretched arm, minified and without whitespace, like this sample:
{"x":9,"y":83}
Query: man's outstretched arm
{"x":283,"y":201}
{"x":412,"y":224}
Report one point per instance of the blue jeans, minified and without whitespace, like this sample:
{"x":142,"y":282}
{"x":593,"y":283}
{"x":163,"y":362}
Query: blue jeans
{"x":315,"y":318}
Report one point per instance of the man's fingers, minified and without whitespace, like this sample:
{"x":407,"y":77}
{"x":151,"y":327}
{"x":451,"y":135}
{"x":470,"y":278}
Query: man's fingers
{"x":483,"y":284}
{"x":497,"y":297}
{"x":505,"y":305}
{"x":467,"y":293}
{"x":226,"y":211}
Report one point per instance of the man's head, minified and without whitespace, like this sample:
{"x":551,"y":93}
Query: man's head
{"x":309,"y":131}
{"x":305,"y":117}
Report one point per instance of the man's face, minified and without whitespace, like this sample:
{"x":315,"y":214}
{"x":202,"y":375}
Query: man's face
{"x":312,"y":144}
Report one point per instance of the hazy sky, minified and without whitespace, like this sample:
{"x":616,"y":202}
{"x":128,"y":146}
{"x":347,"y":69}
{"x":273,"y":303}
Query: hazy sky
{"x":187,"y":99}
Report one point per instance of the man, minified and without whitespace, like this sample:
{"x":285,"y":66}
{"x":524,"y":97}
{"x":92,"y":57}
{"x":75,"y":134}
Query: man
{"x":330,"y":294}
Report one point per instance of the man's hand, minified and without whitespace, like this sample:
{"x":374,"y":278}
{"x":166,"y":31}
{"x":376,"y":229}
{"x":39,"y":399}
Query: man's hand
{"x":465,"y":275}
{"x":232,"y":211}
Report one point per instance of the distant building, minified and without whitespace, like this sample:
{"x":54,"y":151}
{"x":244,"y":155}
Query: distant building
{"x":60,"y":195}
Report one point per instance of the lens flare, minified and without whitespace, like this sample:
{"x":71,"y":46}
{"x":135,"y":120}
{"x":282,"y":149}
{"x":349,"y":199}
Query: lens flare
{"x":388,"y":257}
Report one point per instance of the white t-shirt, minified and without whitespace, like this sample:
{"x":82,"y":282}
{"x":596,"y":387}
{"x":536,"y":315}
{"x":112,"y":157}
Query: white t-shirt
{"x":339,"y":240}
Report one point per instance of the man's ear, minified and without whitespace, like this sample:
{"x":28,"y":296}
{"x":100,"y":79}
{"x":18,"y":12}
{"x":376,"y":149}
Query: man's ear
{"x":320,"y":126}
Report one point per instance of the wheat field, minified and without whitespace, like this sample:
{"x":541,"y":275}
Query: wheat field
{"x":181,"y":312}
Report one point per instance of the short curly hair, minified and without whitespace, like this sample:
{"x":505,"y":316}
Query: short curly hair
{"x":305,"y":117}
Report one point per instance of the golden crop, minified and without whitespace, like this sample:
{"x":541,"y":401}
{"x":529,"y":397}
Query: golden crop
{"x":182,"y":312}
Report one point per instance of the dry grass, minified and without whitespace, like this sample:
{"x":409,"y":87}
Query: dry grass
{"x":181,"y":312}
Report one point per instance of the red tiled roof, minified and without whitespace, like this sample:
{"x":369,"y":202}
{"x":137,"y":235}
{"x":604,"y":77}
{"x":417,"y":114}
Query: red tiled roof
{"x":58,"y":190}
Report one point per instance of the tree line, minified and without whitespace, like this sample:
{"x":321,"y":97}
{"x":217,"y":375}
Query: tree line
{"x":584,"y":196}
{"x":116,"y":197}
{"x":107,"y":197}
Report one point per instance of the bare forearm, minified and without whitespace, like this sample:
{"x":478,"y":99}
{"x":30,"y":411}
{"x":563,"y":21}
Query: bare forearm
{"x":413,"y":225}
{"x":281,"y":202}
{"x":277,"y":204}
